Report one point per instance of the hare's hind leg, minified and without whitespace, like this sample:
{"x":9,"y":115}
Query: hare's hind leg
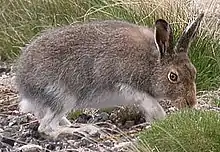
{"x":54,"y":120}
{"x":55,"y":123}
{"x":54,"y":103}
{"x":49,"y":124}
{"x":45,"y":116}
{"x":50,"y":120}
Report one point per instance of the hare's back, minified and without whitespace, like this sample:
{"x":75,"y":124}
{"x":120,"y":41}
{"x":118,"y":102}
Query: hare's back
{"x":77,"y":51}
{"x":90,"y":38}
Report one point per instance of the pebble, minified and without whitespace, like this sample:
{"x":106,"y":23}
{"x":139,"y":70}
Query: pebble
{"x":30,"y":148}
{"x":129,"y":124}
{"x":83,"y":118}
{"x":102,"y":117}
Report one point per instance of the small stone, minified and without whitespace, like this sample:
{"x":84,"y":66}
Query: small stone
{"x":129,"y":124}
{"x":84,"y":142}
{"x":102,"y":117}
{"x":147,"y":127}
{"x":71,"y":142}
{"x":11,"y":123}
{"x":83,"y":118}
{"x":51,"y":147}
{"x":74,"y":136}
{"x":8,"y":141}
{"x":108,"y":143}
{"x":30,"y":148}
{"x":2,"y":145}
{"x":121,"y":145}
{"x":120,"y":115}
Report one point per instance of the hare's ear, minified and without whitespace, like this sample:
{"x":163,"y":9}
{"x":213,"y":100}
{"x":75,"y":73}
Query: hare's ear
{"x":188,"y":35}
{"x":163,"y":37}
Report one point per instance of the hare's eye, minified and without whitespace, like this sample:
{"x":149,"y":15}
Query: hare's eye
{"x":173,"y":77}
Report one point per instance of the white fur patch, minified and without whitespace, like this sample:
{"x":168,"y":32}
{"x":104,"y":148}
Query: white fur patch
{"x":150,"y":105}
{"x":26,"y":106}
{"x":155,"y":40}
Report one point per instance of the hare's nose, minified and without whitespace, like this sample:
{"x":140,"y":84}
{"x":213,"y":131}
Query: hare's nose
{"x":188,"y":103}
{"x":191,"y":101}
{"x":191,"y":96}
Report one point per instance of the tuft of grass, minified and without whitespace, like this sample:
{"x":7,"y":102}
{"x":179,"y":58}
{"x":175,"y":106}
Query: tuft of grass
{"x":74,"y":114}
{"x":21,"y":20}
{"x":205,"y":55}
{"x":185,"y":131}
{"x":217,"y":102}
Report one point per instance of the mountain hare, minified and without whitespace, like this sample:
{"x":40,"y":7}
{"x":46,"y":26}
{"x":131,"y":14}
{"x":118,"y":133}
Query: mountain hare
{"x":103,"y":64}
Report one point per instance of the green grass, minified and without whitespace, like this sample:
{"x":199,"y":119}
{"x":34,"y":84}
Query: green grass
{"x":205,"y":55}
{"x":74,"y":114}
{"x":186,"y":131}
{"x":217,"y":102}
{"x":21,"y":20}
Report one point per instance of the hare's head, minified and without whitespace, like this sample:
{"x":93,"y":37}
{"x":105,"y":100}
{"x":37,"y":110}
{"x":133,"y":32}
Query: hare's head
{"x":174,"y":77}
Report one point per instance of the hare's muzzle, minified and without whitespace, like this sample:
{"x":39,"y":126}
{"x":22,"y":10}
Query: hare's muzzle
{"x":187,"y":102}
{"x":191,"y":102}
{"x":191,"y":97}
{"x":188,"y":98}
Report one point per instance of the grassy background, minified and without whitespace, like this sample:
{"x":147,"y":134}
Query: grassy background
{"x":186,"y":131}
{"x":21,"y":20}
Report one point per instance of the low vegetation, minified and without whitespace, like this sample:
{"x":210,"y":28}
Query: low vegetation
{"x":186,"y":131}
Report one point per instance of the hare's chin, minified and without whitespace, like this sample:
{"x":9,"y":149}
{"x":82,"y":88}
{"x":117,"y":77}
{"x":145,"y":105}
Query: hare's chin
{"x":181,"y":103}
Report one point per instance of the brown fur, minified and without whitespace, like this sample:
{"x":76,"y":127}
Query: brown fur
{"x":84,"y":61}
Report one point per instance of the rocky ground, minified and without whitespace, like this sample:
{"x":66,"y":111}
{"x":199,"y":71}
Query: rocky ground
{"x":119,"y":126}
